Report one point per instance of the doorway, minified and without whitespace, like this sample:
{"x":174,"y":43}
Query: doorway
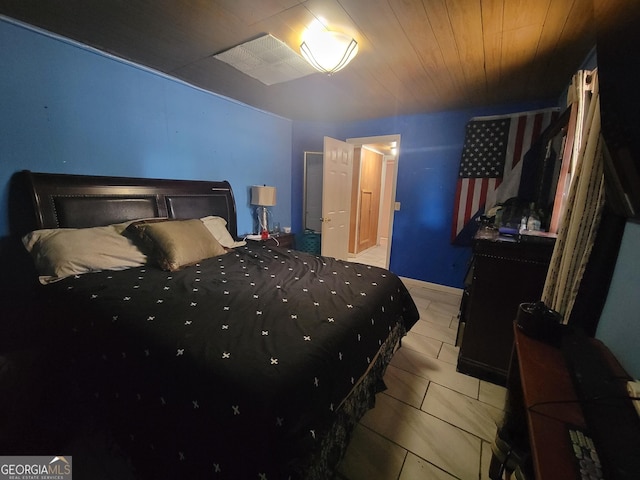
{"x":377,"y":250}
{"x":388,"y":146}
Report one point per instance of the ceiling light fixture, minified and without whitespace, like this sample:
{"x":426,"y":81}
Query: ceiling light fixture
{"x":328,"y":51}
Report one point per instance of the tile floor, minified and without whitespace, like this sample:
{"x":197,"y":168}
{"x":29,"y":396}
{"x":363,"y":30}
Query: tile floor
{"x":431,"y":422}
{"x":375,"y":256}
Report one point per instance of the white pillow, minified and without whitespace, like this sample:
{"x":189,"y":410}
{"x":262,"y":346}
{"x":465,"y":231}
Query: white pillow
{"x":218,"y":228}
{"x":61,"y":252}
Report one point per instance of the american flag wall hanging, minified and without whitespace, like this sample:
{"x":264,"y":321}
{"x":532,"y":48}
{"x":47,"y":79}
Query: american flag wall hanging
{"x":492,"y":157}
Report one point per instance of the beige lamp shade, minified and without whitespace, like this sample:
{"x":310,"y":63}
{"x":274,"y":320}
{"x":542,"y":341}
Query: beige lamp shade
{"x":263,"y":195}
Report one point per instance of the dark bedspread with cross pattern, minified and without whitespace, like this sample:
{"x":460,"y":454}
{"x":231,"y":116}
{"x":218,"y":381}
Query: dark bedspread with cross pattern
{"x":234,"y":367}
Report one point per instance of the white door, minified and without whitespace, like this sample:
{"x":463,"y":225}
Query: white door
{"x":336,"y":197}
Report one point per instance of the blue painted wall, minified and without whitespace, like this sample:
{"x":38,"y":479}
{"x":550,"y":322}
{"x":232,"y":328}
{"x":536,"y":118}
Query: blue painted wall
{"x":430,"y":150}
{"x":619,"y":327}
{"x":67,"y":109}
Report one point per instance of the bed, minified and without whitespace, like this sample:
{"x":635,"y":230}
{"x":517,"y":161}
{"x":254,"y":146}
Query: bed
{"x":252,"y":363}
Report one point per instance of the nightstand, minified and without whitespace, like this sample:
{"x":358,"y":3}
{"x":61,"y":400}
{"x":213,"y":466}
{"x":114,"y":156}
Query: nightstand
{"x":284,"y":240}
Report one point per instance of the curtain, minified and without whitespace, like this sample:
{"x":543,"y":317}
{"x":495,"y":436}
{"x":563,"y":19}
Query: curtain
{"x":584,"y":204}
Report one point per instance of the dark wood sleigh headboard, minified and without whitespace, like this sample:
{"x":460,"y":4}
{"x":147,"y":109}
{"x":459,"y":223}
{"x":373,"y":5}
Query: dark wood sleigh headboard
{"x":79,"y":201}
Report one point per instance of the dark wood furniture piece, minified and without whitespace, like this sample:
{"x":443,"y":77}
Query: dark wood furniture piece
{"x":543,"y":403}
{"x":504,"y":272}
{"x":157,"y":357}
{"x":284,"y":240}
{"x":81,"y":201}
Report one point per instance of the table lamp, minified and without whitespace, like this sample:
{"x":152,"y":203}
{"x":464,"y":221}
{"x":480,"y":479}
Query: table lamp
{"x":263,"y":197}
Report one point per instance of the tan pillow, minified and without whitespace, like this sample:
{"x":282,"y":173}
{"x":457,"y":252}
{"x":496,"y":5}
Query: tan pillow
{"x":61,"y":252}
{"x":176,"y":243}
{"x":218,"y":228}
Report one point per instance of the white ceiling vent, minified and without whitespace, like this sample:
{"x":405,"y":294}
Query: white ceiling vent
{"x":267,"y":59}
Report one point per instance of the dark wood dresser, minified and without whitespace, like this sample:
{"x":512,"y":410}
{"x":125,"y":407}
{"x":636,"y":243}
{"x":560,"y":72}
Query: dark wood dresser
{"x":504,"y":272}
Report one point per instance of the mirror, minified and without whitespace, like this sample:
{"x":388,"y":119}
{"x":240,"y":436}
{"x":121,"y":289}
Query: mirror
{"x":545,"y":171}
{"x":312,"y":194}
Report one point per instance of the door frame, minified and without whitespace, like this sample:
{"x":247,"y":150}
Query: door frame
{"x":386,"y":139}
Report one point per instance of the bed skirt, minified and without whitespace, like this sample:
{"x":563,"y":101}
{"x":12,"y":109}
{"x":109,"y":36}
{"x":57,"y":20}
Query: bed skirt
{"x":361,"y":399}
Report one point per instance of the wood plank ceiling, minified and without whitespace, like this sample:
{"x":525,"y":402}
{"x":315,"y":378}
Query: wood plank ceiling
{"x":416,"y":56}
